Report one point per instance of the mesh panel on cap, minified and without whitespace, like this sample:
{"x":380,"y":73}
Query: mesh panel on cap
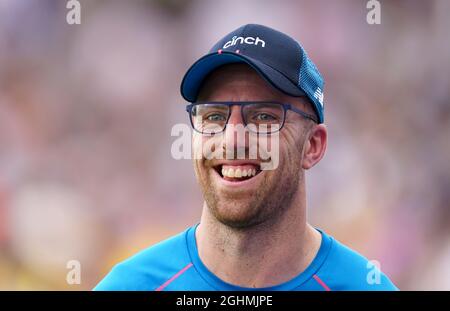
{"x":310,"y":80}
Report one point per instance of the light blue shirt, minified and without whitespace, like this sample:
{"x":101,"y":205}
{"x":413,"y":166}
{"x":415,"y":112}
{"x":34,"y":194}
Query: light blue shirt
{"x":174,"y":265}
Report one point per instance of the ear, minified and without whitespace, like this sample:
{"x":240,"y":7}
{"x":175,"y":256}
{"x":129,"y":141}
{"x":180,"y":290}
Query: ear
{"x":315,"y":146}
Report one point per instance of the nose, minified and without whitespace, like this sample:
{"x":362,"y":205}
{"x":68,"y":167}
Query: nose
{"x":234,"y":131}
{"x":235,"y":116}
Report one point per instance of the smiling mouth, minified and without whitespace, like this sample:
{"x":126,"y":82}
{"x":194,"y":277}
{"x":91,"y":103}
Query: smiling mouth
{"x":237,"y":173}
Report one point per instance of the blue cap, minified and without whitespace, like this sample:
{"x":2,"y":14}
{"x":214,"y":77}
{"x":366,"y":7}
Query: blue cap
{"x":278,"y":58}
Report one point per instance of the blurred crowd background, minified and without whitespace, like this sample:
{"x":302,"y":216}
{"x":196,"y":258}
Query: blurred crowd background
{"x":86,"y":113}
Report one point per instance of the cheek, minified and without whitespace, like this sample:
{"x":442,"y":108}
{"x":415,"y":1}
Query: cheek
{"x":201,"y":172}
{"x":200,"y":144}
{"x":291,"y":147}
{"x":196,"y":143}
{"x":204,"y":147}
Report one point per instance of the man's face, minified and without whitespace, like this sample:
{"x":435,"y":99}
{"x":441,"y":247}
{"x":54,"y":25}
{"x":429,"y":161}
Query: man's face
{"x":245,"y":201}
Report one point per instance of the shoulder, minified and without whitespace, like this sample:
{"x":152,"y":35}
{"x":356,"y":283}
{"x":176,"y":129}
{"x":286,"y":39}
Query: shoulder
{"x":346,"y":269}
{"x":150,"y":267}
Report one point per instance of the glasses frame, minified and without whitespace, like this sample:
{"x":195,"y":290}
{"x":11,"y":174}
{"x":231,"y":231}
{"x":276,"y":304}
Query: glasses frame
{"x":285,"y":106}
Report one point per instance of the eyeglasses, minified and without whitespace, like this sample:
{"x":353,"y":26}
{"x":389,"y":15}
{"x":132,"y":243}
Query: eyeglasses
{"x":261,"y":117}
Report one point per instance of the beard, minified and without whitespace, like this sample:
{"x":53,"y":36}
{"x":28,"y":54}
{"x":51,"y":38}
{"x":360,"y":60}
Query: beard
{"x":243,"y":209}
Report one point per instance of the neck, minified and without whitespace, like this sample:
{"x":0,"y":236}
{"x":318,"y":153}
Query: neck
{"x":282,"y":248}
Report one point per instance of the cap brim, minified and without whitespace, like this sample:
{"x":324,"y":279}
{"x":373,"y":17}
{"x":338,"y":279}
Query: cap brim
{"x":194,"y":77}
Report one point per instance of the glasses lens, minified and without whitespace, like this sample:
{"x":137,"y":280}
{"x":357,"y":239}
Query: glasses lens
{"x":209,"y":118}
{"x":263,"y":117}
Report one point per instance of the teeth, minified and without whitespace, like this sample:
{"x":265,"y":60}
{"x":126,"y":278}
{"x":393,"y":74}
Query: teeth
{"x":238,"y":172}
{"x":231,"y":173}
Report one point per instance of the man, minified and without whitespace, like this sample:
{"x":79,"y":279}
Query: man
{"x":253,"y":232}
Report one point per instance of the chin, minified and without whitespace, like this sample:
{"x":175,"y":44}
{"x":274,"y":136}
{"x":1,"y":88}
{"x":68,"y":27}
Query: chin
{"x":236,"y":215}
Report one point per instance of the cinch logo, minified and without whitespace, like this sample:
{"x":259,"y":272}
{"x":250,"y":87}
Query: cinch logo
{"x":247,"y":40}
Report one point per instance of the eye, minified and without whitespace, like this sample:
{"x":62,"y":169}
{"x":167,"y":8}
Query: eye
{"x":215,"y":117}
{"x":264,"y":117}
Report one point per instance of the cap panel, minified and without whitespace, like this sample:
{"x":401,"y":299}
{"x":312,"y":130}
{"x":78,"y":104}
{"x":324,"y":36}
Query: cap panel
{"x":193,"y":79}
{"x":268,"y":45}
